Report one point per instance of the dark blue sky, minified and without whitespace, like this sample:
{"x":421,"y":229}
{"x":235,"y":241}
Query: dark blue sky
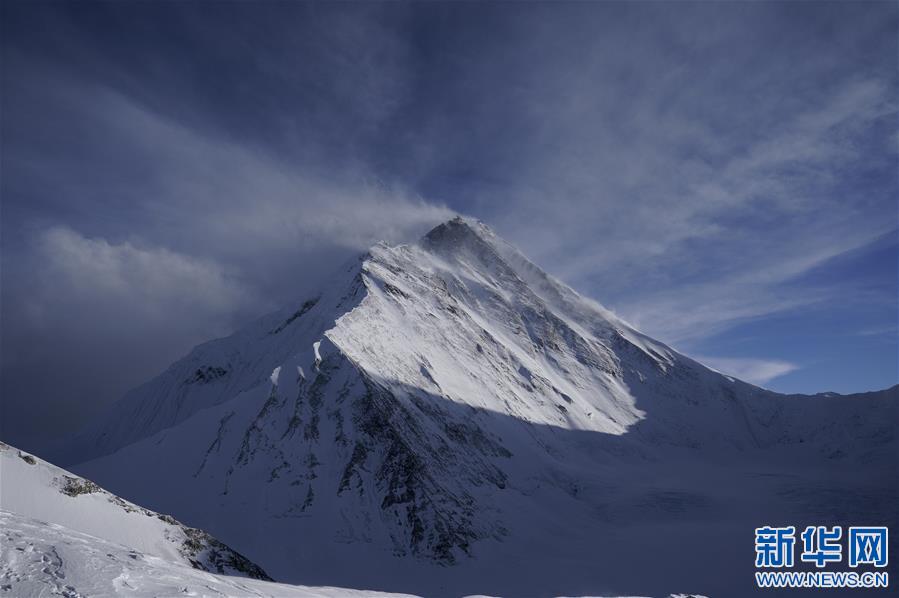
{"x":723,"y":175}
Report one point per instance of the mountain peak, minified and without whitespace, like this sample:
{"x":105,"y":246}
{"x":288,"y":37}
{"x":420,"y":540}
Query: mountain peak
{"x":457,"y":231}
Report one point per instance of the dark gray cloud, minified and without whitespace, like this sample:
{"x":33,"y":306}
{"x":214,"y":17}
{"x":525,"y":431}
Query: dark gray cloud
{"x":171,"y":170}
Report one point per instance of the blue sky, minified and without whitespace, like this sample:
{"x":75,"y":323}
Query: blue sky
{"x":722,"y":175}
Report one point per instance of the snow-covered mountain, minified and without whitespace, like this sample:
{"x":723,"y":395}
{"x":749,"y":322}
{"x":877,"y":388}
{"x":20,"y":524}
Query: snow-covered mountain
{"x":446,"y":418}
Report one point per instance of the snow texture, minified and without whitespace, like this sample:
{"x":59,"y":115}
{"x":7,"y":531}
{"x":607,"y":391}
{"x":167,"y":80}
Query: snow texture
{"x":38,"y":558}
{"x":65,"y":536}
{"x":35,"y":489}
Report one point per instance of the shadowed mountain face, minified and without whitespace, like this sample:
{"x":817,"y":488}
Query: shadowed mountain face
{"x":445,"y":418}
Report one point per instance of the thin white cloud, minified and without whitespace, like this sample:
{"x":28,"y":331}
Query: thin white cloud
{"x":217,"y":196}
{"x":685,"y":313}
{"x":755,"y":371}
{"x":880,"y":331}
{"x":153,"y":284}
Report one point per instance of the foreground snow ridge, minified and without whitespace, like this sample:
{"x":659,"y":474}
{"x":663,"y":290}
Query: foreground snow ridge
{"x":46,"y":559}
{"x":46,"y":511}
{"x":34,"y":489}
{"x":445,"y":418}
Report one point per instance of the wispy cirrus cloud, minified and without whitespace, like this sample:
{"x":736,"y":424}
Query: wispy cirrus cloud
{"x":698,"y":229}
{"x":879,"y":331}
{"x":707,"y":246}
{"x":756,"y":371}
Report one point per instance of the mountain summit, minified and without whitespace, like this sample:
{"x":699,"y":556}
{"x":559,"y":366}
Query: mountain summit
{"x":444,"y":417}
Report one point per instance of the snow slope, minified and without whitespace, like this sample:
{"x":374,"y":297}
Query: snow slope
{"x":45,"y":559}
{"x":34,"y":489}
{"x":63,"y":535}
{"x":446,"y":418}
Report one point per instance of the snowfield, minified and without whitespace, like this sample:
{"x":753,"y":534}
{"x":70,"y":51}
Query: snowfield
{"x":46,"y":559}
{"x":35,"y":489}
{"x":62,"y":535}
{"x":444,"y":418}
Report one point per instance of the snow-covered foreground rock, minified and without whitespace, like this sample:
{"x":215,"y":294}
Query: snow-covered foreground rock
{"x":62,"y":535}
{"x":444,"y":418}
{"x":31,"y":488}
{"x":38,"y":558}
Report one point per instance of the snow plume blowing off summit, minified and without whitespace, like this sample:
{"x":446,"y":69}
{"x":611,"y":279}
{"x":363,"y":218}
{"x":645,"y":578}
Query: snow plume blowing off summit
{"x":445,"y":418}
